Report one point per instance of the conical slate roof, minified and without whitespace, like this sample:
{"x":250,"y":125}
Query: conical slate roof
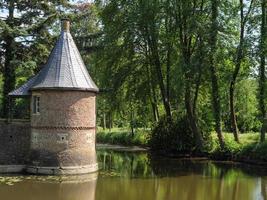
{"x":64,"y":70}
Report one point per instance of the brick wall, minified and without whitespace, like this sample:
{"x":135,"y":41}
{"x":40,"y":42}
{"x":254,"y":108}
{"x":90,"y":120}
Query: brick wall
{"x":63,"y":133}
{"x":65,"y":109}
{"x":63,"y":147}
{"x":14,"y":142}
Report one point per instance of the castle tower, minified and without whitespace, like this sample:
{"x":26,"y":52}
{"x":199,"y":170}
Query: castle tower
{"x":63,"y":112}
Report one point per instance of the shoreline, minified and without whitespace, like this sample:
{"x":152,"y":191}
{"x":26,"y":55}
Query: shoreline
{"x":211,"y":157}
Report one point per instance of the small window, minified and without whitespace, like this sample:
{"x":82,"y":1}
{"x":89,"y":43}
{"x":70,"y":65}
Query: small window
{"x":36,"y":104}
{"x":62,"y":138}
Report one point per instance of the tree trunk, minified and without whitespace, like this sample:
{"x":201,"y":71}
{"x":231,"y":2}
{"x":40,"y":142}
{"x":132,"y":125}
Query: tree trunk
{"x":189,"y":105}
{"x":168,"y":25}
{"x":152,"y":96}
{"x":238,"y":62}
{"x":165,"y":100}
{"x":216,"y":104}
{"x":155,"y":60}
{"x":110,"y":124}
{"x":104,"y":121}
{"x":262,"y":82}
{"x":199,"y":76}
{"x":192,"y":119}
{"x":187,"y":50}
{"x":198,"y":82}
{"x":168,"y":69}
{"x":214,"y":79}
{"x":232,"y":110}
{"x":132,"y":123}
{"x":9,"y":70}
{"x":232,"y":87}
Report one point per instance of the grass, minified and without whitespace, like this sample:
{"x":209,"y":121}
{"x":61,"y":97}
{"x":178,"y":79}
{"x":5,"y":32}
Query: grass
{"x":249,"y":148}
{"x":123,"y":136}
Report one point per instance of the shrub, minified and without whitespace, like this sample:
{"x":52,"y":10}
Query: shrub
{"x":255,"y":151}
{"x":174,"y":137}
{"x":247,"y":149}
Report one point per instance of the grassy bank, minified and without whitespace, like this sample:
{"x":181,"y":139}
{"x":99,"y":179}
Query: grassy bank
{"x":248,"y":150}
{"x":123,"y":136}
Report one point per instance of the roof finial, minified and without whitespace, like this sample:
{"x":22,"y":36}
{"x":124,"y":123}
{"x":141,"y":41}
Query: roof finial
{"x":65,"y":25}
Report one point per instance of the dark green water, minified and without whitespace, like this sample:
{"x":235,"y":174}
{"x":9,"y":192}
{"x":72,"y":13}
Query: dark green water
{"x":138,"y":176}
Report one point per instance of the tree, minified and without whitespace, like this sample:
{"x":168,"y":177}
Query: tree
{"x":23,"y":34}
{"x":213,"y":72}
{"x":188,"y":18}
{"x":151,"y":32}
{"x":9,"y":68}
{"x":133,"y":56}
{"x":262,"y":75}
{"x":238,"y":63}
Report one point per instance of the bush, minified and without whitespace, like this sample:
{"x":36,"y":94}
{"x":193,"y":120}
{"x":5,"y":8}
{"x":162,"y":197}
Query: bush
{"x":254,"y":151}
{"x":231,"y":147}
{"x":249,"y":148}
{"x":174,"y":137}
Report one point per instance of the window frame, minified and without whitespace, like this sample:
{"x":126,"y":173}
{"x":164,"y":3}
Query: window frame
{"x":36,"y":104}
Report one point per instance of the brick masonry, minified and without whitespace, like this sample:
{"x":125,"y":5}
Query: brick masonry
{"x":65,"y":109}
{"x":15,"y":142}
{"x":58,"y":140}
{"x":63,"y":133}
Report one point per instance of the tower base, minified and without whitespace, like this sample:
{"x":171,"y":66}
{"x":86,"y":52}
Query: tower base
{"x":7,"y":169}
{"x":62,"y":170}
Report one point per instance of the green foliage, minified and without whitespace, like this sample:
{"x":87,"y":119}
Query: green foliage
{"x":142,"y":54}
{"x":123,"y":137}
{"x":254,"y":151}
{"x":173,"y":137}
{"x":249,"y":149}
{"x":21,"y":109}
{"x":230,"y":150}
{"x":247,"y":106}
{"x":124,"y":163}
{"x":26,"y":38}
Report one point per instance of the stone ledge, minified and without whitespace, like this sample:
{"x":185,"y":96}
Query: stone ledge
{"x":67,"y":179}
{"x":63,"y":128}
{"x":15,"y":121}
{"x":12,"y":168}
{"x":62,"y":170}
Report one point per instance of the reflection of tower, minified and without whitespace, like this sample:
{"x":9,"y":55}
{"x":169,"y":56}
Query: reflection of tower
{"x":63,"y":113}
{"x":80,"y":187}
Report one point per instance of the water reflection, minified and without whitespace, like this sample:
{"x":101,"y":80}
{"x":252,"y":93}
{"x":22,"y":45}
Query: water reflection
{"x":140,"y":176}
{"x":49,"y":188}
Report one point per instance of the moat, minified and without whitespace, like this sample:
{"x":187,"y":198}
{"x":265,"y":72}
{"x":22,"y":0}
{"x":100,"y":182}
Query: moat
{"x":136,"y":175}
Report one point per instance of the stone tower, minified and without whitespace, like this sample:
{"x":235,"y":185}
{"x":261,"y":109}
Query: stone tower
{"x":63,"y":112}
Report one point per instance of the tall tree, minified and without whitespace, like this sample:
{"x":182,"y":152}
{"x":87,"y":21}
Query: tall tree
{"x":262,"y":74}
{"x":19,"y":32}
{"x":238,"y":63}
{"x":213,"y":72}
{"x":188,"y":17}
{"x":9,"y":68}
{"x":151,"y":34}
{"x":133,"y":41}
